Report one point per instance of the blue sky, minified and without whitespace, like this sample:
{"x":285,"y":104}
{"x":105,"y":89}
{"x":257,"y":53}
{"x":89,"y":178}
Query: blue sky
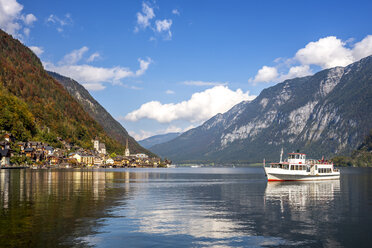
{"x":160,"y":66}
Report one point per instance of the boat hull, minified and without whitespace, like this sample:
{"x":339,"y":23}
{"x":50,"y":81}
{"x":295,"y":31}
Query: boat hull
{"x":277,"y":175}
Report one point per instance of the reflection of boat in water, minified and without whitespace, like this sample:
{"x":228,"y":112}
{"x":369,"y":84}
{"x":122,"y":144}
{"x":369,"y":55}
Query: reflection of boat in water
{"x":300,"y":194}
{"x":298,"y":168}
{"x":195,"y":166}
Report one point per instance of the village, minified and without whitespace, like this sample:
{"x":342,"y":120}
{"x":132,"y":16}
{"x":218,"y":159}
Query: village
{"x":35,"y":154}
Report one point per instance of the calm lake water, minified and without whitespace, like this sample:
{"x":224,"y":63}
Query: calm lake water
{"x":182,"y":207}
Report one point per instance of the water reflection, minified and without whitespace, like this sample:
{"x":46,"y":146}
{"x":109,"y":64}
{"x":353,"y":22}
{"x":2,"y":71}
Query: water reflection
{"x":300,"y":195}
{"x":46,"y":208}
{"x":181,"y":208}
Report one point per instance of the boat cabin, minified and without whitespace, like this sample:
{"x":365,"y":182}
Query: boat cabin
{"x":296,"y":158}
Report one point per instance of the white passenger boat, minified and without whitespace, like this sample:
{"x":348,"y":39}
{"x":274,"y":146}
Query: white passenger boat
{"x":298,"y":168}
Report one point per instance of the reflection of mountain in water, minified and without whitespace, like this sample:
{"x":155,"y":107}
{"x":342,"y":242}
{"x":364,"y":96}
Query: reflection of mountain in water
{"x":51,"y":208}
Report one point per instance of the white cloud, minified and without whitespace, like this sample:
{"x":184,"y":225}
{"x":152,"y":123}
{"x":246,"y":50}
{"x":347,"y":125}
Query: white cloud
{"x":296,"y":71}
{"x":363,"y":48}
{"x":26,"y":32}
{"x":90,"y":74}
{"x":92,"y":77}
{"x":202,"y":83}
{"x":74,"y":57}
{"x":265,"y":74}
{"x":94,"y":86}
{"x":37,"y":50}
{"x":29,"y":19}
{"x":164,"y":27}
{"x":144,"y":65}
{"x":142,"y":134}
{"x":93,"y":57}
{"x":12,"y":20}
{"x":175,"y":12}
{"x":60,"y":23}
{"x":159,"y":27}
{"x":169,"y":92}
{"x":200,"y":107}
{"x":144,"y":17}
{"x":327,"y":52}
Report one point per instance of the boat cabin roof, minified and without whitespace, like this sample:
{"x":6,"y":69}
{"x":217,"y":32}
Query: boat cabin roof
{"x":297,"y":153}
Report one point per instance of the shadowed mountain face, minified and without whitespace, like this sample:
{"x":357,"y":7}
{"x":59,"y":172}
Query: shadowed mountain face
{"x":157,"y":139}
{"x":325,"y":114}
{"x":112,"y":127}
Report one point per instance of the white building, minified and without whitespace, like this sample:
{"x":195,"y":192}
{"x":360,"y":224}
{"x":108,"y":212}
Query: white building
{"x":5,"y":157}
{"x":99,"y":147}
{"x":126,"y":152}
{"x":110,"y":161}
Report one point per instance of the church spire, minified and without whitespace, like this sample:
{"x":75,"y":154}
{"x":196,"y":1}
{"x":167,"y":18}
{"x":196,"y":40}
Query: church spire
{"x":127,"y":153}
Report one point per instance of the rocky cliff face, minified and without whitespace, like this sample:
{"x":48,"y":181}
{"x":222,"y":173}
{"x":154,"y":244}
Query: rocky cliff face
{"x":325,"y":114}
{"x":112,"y":127}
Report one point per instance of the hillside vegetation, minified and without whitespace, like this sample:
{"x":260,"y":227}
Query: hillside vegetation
{"x":362,"y":157}
{"x":43,"y":108}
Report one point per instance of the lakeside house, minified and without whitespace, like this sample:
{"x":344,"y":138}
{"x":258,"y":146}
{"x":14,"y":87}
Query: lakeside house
{"x":5,"y":157}
{"x":44,"y":154}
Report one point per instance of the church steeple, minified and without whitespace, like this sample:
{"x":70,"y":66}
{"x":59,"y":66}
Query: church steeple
{"x":127,"y":153}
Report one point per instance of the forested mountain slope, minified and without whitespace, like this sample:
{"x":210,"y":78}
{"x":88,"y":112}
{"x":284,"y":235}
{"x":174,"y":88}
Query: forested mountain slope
{"x":54,"y":112}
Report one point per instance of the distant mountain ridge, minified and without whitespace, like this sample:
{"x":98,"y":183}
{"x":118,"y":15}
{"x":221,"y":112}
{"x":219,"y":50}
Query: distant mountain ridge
{"x":157,"y":139}
{"x":325,"y":114}
{"x":111,"y":126}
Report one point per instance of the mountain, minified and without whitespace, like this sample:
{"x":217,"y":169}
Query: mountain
{"x":328,"y":113}
{"x":37,"y":106}
{"x":112,"y":127}
{"x":157,"y":139}
{"x":361,"y":157}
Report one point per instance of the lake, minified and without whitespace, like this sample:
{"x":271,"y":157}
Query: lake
{"x":182,"y":207}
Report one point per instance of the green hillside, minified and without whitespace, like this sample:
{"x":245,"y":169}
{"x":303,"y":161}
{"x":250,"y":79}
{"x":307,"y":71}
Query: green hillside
{"x":45,"y":110}
{"x":362,"y":157}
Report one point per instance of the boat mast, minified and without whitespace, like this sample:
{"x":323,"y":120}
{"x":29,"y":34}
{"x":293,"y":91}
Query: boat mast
{"x":281,"y":156}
